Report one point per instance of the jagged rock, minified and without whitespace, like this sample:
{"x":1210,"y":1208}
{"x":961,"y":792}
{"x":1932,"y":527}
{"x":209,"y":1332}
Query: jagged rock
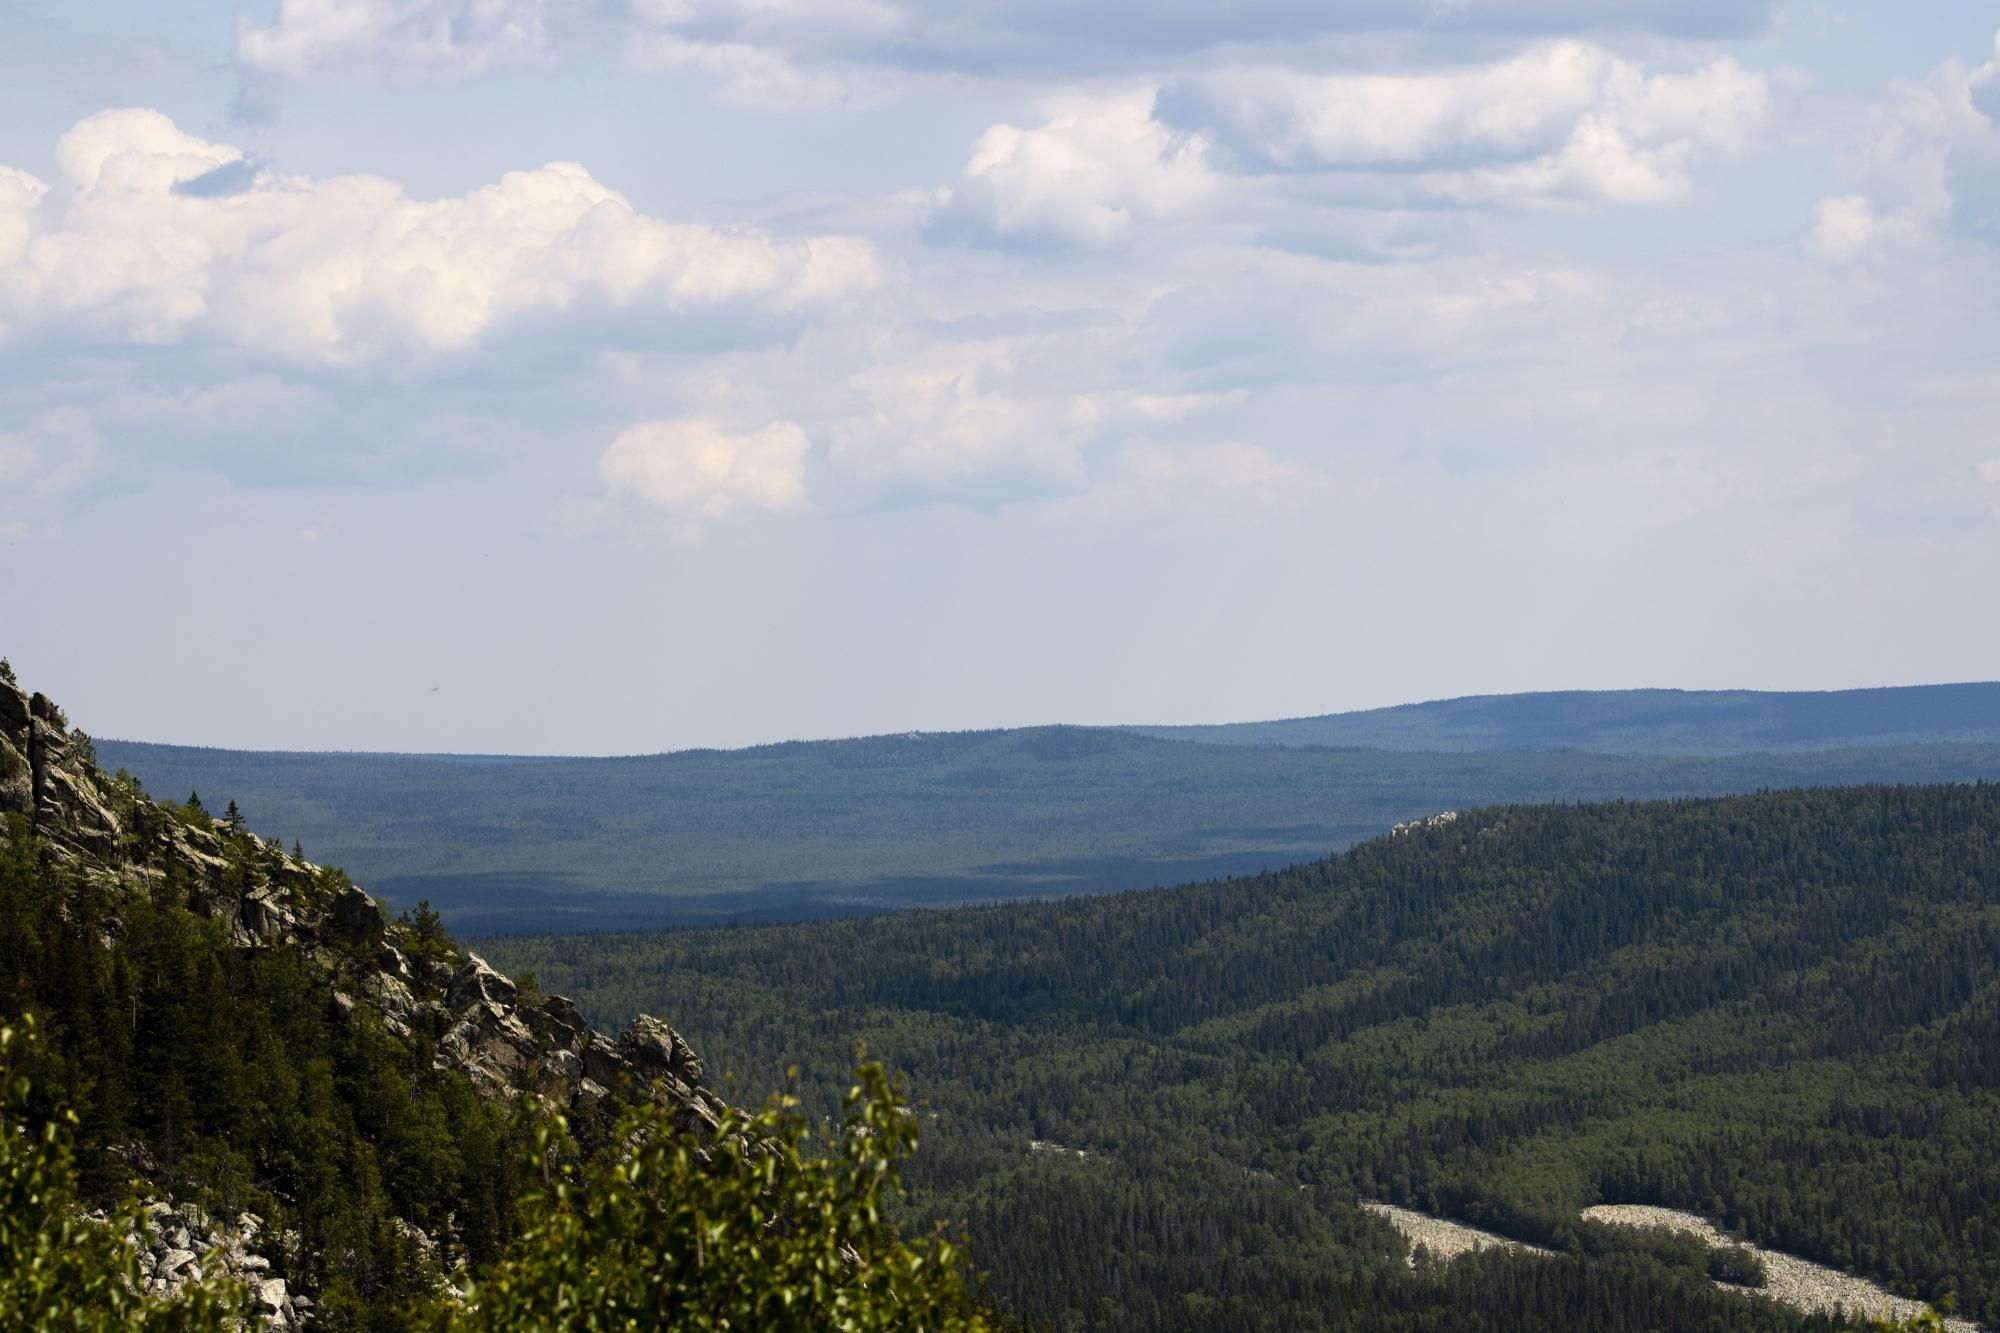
{"x":356,"y":916}
{"x":394,"y":1001}
{"x":43,"y":709}
{"x":269,"y":900}
{"x":13,"y":709}
{"x":476,"y":983}
{"x":393,"y":964}
{"x":266,"y":919}
{"x":655,"y":1049}
{"x":561,"y":1072}
{"x":75,"y":801}
{"x":564,"y":1018}
{"x":602,"y":1063}
{"x":489,"y":1041}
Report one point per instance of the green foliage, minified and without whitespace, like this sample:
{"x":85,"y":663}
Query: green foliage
{"x":1737,"y":1266}
{"x":1779,"y":1011}
{"x":249,"y":1079}
{"x":248,"y":1085}
{"x":1930,"y":1321}
{"x":427,"y":940}
{"x":60,"y":1270}
{"x":753,"y":1231}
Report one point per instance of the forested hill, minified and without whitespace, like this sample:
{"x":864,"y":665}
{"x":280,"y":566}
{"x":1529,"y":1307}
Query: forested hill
{"x":1706,"y":722}
{"x":837,"y":827}
{"x":1781,"y":1011}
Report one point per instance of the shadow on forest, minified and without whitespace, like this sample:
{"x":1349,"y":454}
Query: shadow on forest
{"x":475,"y":905}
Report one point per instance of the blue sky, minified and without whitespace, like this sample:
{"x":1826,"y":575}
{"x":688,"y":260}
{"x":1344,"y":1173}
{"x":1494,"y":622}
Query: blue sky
{"x":597,"y":376}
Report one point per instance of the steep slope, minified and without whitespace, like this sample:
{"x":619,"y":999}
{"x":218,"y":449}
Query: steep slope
{"x":252,"y":1036}
{"x":1779,"y":1011}
{"x":1691,"y":722}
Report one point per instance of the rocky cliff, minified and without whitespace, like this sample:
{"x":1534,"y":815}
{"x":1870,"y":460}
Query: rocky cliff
{"x":444,"y":1003}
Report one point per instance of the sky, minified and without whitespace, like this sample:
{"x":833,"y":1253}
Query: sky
{"x":613,"y":376}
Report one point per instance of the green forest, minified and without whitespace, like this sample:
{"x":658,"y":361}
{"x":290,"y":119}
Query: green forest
{"x":809,"y":829}
{"x":1779,"y":1010}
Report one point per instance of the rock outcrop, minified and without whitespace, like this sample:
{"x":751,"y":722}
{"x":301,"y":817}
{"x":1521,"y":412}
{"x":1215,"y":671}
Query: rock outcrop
{"x":382,"y":969}
{"x":182,"y":1243}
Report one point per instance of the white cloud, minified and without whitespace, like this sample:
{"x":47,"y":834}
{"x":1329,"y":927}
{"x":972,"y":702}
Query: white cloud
{"x":698,"y":469}
{"x":19,"y":194}
{"x":1085,"y":175}
{"x":350,"y":267}
{"x":1845,"y":227}
{"x":435,"y":38}
{"x":1989,"y":471}
{"x":1005,"y":417}
{"x":1984,"y":83}
{"x":56,"y":453}
{"x":1567,"y":119}
{"x":749,"y":76}
{"x":1928,"y":150}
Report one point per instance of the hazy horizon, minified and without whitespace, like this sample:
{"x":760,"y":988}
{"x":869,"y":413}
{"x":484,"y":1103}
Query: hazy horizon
{"x":1141,"y":726}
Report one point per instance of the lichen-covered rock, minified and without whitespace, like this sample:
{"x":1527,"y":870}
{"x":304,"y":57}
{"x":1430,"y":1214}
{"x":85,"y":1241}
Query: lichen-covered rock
{"x":656,"y":1049}
{"x":377,"y":970}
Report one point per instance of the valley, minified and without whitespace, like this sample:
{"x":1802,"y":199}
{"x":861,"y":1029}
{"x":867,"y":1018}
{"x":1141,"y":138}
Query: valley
{"x":1782,"y":1010}
{"x":852,"y":827}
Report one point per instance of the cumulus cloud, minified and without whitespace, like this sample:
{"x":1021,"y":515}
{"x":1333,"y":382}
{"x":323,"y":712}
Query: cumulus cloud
{"x":1566,"y":119}
{"x":437,"y":38}
{"x":698,"y":469}
{"x":1085,"y":175}
{"x":1927,"y":155}
{"x":346,"y":268}
{"x":998,"y":418}
{"x":1845,"y":227}
{"x":747,"y":75}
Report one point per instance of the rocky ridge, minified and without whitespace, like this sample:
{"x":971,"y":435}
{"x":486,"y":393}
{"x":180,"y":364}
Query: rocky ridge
{"x":508,"y":1042}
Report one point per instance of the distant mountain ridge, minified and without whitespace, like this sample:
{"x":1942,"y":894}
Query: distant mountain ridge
{"x":1660,"y":721}
{"x":817,"y":828}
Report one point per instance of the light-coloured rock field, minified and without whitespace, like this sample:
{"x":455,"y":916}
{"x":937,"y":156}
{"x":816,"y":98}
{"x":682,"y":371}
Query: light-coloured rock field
{"x":1445,"y":1240}
{"x":1796,"y":1282}
{"x":1802,"y":1285}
